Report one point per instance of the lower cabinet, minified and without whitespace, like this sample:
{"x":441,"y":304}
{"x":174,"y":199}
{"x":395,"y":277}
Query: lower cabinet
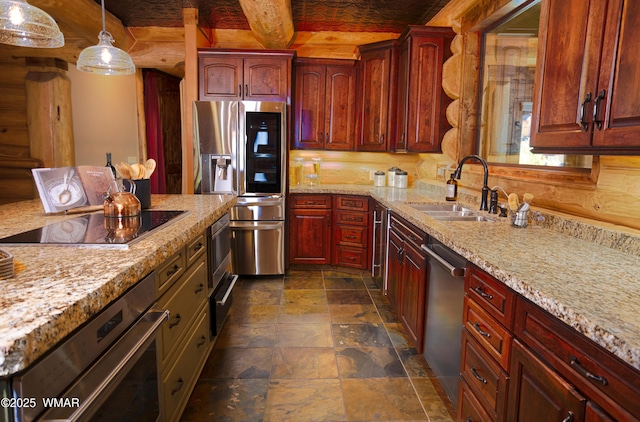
{"x":407,"y":278}
{"x":310,"y":229}
{"x":184,"y":343}
{"x":330,"y":229}
{"x":519,"y":364}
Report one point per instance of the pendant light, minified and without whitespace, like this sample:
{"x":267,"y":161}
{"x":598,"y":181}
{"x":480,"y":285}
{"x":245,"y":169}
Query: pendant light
{"x":27,"y":26}
{"x":104,"y":58}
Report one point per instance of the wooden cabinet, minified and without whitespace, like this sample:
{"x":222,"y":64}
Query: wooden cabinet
{"x":234,"y":75}
{"x":325,"y":106}
{"x":183,"y":344}
{"x":537,"y":393}
{"x":612,"y":386}
{"x":422,"y":103}
{"x":376,"y":95}
{"x":326,"y":229}
{"x":351,"y":231}
{"x":407,"y":277}
{"x":584,"y":98}
{"x":486,"y":346}
{"x":310,"y":229}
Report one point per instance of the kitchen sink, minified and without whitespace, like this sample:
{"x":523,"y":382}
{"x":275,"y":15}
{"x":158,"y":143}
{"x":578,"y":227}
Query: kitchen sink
{"x":449,"y":212}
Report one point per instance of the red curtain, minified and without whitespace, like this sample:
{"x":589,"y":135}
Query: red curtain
{"x":155,"y":148}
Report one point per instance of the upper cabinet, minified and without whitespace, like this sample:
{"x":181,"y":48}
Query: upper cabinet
{"x":376,"y":94}
{"x":325,"y":104}
{"x":585,"y":99}
{"x":236,"y":75}
{"x":422,"y":103}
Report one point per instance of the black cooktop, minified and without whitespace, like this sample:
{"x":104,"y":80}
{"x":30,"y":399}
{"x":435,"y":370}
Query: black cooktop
{"x":95,"y":230}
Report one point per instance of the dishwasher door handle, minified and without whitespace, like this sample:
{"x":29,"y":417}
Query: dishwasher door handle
{"x":455,"y":271}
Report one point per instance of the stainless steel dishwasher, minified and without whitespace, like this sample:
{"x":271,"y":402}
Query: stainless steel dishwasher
{"x":443,"y":327}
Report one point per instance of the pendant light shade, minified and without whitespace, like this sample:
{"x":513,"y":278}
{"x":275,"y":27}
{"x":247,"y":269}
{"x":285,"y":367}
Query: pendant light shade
{"x":104,"y":58}
{"x":27,"y":26}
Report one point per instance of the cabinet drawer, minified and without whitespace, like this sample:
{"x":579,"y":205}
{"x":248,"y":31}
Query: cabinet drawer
{"x":469,"y":409}
{"x":196,"y":248}
{"x":351,"y":218}
{"x":171,"y":270}
{"x":352,"y":236}
{"x":182,"y":376}
{"x":493,"y":296}
{"x":484,"y":377}
{"x":182,"y":301}
{"x":408,"y":231}
{"x":594,"y":371}
{"x":310,"y":201}
{"x":353,"y":203}
{"x":351,"y":257}
{"x":495,"y":339}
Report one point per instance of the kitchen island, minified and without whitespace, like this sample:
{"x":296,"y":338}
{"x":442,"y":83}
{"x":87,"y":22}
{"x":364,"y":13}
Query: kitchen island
{"x":587,"y":279}
{"x":58,"y":288}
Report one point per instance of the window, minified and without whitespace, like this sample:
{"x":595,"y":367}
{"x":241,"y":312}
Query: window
{"x":507,"y":78}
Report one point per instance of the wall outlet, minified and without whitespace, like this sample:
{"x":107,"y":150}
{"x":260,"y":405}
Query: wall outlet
{"x":132,"y":160}
{"x":372,"y":174}
{"x":441,"y":172}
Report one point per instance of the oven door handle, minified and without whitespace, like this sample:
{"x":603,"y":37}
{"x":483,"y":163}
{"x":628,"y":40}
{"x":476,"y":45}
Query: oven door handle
{"x":96,"y":384}
{"x":228,"y":292}
{"x":256,"y":225}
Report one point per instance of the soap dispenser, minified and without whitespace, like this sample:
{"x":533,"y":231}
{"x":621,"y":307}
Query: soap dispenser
{"x":452,"y":188}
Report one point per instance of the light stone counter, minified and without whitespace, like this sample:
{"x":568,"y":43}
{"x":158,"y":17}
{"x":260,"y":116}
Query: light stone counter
{"x":591,"y":287}
{"x":62,"y":287}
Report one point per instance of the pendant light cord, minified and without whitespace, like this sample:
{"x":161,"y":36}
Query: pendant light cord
{"x":104,"y":22}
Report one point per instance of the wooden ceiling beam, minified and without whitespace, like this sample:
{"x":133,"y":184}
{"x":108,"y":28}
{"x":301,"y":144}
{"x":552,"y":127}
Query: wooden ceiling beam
{"x":271,"y":21}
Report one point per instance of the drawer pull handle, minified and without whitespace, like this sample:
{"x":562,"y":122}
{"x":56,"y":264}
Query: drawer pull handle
{"x":575,"y":363}
{"x":479,"y":290}
{"x":197,"y":247}
{"x":350,"y":237}
{"x":480,"y":331}
{"x":200,"y":288}
{"x":174,"y":270}
{"x":179,"y":385}
{"x":176,"y":321}
{"x":478,"y":377}
{"x":202,"y":341}
{"x":569,"y":417}
{"x":350,"y":258}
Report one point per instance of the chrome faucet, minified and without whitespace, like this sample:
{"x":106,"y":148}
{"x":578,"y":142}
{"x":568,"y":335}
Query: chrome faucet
{"x":485,"y":187}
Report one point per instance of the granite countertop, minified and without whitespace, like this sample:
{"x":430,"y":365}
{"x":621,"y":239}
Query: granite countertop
{"x":62,"y":287}
{"x":591,"y":287}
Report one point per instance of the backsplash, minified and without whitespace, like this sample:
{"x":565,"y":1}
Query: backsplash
{"x":344,"y":167}
{"x":605,"y":234}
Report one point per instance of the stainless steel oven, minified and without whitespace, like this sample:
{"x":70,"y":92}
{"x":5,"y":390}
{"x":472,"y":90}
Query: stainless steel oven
{"x":106,"y":370}
{"x":221,"y":280}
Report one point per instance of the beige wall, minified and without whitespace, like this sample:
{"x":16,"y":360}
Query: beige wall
{"x":104,"y":117}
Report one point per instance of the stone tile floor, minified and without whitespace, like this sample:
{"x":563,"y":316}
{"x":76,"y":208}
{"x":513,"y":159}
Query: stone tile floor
{"x":314,"y":345}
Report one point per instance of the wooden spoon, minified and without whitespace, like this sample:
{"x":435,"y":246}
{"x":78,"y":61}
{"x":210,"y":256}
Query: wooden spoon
{"x":135,"y":171}
{"x":150,"y":167}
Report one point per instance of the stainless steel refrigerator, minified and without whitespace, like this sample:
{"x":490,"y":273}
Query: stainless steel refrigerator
{"x":243,"y":151}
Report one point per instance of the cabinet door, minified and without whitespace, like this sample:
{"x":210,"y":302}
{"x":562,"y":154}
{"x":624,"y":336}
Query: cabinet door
{"x":403,"y":97}
{"x":221,"y":78}
{"x":426,"y":117}
{"x":309,"y":107}
{"x":339,"y":127}
{"x":536,"y":393}
{"x":394,"y":269}
{"x":413,"y":298}
{"x":567,"y":77}
{"x":375,"y":72}
{"x":618,"y":77}
{"x":266,"y":79}
{"x":310,"y":236}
